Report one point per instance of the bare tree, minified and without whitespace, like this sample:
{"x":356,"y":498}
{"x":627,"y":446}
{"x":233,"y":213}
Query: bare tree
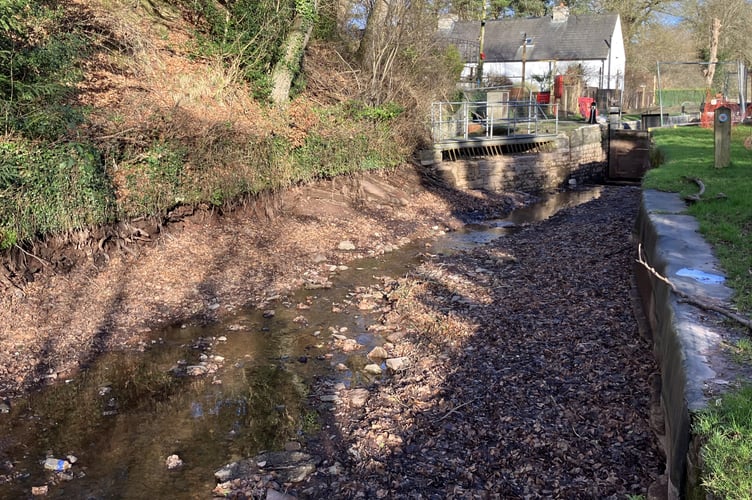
{"x":731,"y":39}
{"x":715,"y":34}
{"x":399,"y":54}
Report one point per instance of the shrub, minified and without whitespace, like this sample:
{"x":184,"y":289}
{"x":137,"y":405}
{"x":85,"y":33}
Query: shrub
{"x":51,"y":189}
{"x":39,"y":52}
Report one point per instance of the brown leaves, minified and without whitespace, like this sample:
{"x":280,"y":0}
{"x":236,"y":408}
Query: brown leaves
{"x":537,"y":380}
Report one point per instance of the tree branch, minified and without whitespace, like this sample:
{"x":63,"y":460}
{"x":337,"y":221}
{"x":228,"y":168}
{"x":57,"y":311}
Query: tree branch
{"x":708,"y":306}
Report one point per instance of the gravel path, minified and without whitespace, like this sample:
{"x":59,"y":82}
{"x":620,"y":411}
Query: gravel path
{"x":528,"y":375}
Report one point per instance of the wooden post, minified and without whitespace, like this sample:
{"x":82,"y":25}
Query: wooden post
{"x":722,"y":131}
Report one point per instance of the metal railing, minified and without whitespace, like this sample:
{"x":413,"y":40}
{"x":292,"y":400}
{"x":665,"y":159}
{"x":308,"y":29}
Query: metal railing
{"x":462,"y":120}
{"x":683,"y":119}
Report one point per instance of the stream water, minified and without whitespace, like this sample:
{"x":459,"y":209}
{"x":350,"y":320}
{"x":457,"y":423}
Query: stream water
{"x":121,"y":418}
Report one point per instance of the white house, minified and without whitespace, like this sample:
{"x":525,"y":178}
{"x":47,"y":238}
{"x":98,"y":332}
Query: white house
{"x":536,"y":48}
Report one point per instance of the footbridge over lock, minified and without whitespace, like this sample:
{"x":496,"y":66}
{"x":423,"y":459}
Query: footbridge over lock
{"x":522,"y":145}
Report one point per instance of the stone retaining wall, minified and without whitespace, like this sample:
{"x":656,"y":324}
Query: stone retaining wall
{"x":580,"y":155}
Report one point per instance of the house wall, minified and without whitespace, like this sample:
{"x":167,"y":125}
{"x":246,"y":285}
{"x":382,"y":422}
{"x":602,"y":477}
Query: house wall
{"x":596,"y":71}
{"x":613,"y":76}
{"x":580,"y":155}
{"x":605,"y":73}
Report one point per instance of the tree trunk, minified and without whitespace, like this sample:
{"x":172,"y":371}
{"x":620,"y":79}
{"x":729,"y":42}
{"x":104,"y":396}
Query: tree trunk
{"x":715,"y":34}
{"x":370,"y":42}
{"x":289,"y":65}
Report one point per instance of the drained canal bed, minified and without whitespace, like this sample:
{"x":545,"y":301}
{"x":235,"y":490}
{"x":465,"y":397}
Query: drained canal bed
{"x":211,"y":395}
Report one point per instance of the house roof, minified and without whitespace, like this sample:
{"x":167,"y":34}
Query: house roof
{"x":574,"y":39}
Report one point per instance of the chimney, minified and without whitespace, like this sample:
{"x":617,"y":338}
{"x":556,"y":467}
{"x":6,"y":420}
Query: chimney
{"x":561,"y":13}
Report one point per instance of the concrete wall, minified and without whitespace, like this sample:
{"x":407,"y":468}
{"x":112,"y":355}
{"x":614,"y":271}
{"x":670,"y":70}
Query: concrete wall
{"x":686,"y":339}
{"x":580,"y":155}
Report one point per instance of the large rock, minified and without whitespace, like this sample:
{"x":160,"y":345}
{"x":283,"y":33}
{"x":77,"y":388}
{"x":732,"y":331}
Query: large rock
{"x":396,"y":364}
{"x":357,"y":398}
{"x":290,"y":466}
{"x":236,"y":470}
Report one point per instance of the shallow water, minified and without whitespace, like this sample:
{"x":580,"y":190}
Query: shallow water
{"x":128,"y":412}
{"x":701,"y":276}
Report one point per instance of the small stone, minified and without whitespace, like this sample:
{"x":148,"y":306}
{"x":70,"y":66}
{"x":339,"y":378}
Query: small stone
{"x":290,"y":466}
{"x":329,"y":398}
{"x":342,"y":367}
{"x":378,"y":353}
{"x":272,"y":494}
{"x":396,"y":364}
{"x":318,"y":258}
{"x":292,"y":446}
{"x":367,"y":304}
{"x":226,"y":473}
{"x":196,"y":370}
{"x":39,"y":491}
{"x":346,"y":245}
{"x":358,"y":397}
{"x":173,"y":462}
{"x":350,"y":345}
{"x":269,"y":313}
{"x":373,"y":369}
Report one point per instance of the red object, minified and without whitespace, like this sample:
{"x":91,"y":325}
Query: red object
{"x":707,"y":118}
{"x":558,"y":86}
{"x":708,"y":111}
{"x":583,"y":103}
{"x":482,"y":56}
{"x":543,"y":97}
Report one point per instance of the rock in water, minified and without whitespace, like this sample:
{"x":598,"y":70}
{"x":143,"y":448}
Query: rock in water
{"x":290,"y":466}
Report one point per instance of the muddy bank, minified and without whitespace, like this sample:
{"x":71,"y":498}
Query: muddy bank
{"x":111,"y":288}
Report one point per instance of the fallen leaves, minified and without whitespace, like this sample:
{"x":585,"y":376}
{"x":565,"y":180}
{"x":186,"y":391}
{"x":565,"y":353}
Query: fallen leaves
{"x":537,"y":384}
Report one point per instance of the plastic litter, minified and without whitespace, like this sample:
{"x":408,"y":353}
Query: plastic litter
{"x":56,"y":464}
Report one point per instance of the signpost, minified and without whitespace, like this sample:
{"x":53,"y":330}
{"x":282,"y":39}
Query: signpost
{"x":722,"y":132}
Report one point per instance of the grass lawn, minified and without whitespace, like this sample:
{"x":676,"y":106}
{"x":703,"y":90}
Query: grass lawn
{"x":725,"y":217}
{"x":725,"y":214}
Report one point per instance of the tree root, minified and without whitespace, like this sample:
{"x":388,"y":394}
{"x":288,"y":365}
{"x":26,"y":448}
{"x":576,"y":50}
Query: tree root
{"x":692,"y":198}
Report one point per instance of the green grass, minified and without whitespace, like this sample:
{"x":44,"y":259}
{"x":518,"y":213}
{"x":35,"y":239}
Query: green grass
{"x":725,"y":218}
{"x":725,"y":214}
{"x":727,"y":452}
{"x":742,"y":351}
